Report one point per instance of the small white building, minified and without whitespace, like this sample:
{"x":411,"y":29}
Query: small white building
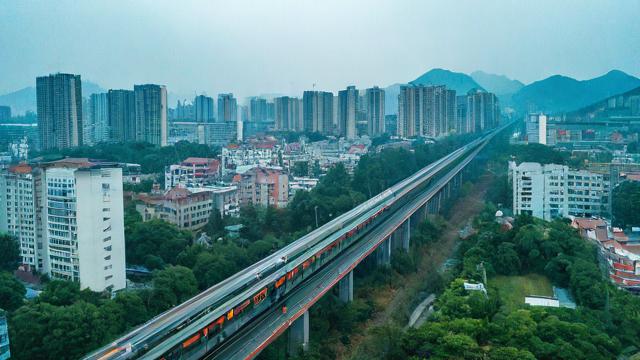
{"x":542,"y":301}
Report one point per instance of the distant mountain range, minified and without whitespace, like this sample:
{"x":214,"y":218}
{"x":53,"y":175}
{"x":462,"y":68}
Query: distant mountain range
{"x":559,"y":93}
{"x":24,"y":100}
{"x":617,"y":105}
{"x":554,"y":94}
{"x":497,"y":84}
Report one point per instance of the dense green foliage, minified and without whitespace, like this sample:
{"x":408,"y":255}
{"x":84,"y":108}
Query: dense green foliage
{"x":152,"y":158}
{"x":155,"y":243}
{"x":470,"y":325}
{"x":10,"y":250}
{"x":626,"y":204}
{"x":144,"y":186}
{"x":65,"y":322}
{"x":378,"y":171}
{"x":11,"y":292}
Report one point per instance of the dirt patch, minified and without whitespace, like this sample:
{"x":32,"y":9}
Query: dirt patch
{"x":396,"y":301}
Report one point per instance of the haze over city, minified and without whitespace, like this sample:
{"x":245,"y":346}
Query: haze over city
{"x":284,"y":47}
{"x":319,"y":180}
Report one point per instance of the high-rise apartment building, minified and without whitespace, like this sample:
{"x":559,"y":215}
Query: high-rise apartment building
{"x":151,"y":113}
{"x":98,"y":119}
{"x":288,"y":113}
{"x":257,"y":109}
{"x":227,"y":108}
{"x":122,"y":115}
{"x":317,"y":111}
{"x":461,"y":115}
{"x":440,"y":110}
{"x":18,"y":213}
{"x":59,"y":98}
{"x":483,"y":111}
{"x":184,"y":111}
{"x":347,"y":107}
{"x":5,"y":113}
{"x":83,"y":224}
{"x":410,"y":114}
{"x":374,"y":99}
{"x":68,"y":217}
{"x":550,"y":191}
{"x":203,"y":109}
{"x":426,"y":110}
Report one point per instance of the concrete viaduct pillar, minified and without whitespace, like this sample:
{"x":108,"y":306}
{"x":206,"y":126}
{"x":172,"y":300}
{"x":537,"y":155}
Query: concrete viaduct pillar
{"x":406,"y":234}
{"x":345,"y":288}
{"x":299,"y":334}
{"x":383,"y":253}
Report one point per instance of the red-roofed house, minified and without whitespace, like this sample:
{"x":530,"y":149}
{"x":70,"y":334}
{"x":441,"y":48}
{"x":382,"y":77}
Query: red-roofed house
{"x":186,"y":209}
{"x":192,"y":172}
{"x":595,"y":229}
{"x":624,"y":263}
{"x":357,"y":149}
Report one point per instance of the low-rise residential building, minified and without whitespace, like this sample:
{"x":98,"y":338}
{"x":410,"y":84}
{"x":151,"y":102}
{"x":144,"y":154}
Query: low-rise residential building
{"x":550,"y":191}
{"x":192,"y":172}
{"x":302,"y":183}
{"x":624,"y":263}
{"x":620,"y":251}
{"x":263,"y":187}
{"x":225,"y":199}
{"x":184,"y":208}
{"x":262,"y":153}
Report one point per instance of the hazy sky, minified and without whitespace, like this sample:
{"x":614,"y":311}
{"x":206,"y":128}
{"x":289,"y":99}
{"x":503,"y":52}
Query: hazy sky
{"x":255,"y":47}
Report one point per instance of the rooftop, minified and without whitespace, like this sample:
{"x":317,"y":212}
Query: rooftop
{"x":21,"y":169}
{"x":199,"y":160}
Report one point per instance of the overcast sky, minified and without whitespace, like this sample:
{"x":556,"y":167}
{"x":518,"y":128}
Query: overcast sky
{"x":256,"y":47}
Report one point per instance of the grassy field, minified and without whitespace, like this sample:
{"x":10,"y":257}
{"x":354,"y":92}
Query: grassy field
{"x":513,"y":289}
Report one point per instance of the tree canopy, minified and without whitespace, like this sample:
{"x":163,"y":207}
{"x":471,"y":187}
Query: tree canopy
{"x":10,"y":250}
{"x":152,"y":158}
{"x":626,"y":204}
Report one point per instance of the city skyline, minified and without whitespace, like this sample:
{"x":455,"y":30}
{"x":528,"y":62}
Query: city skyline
{"x":408,"y":38}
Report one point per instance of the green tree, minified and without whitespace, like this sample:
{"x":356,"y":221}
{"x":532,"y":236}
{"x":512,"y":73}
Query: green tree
{"x":172,"y":286}
{"x":133,"y":308}
{"x":157,"y":238}
{"x":60,"y":292}
{"x":10,"y":251}
{"x":11,"y":292}
{"x":509,"y":353}
{"x":28,"y":327}
{"x":626,"y":204}
{"x":506,"y":260}
{"x":215,"y":226}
